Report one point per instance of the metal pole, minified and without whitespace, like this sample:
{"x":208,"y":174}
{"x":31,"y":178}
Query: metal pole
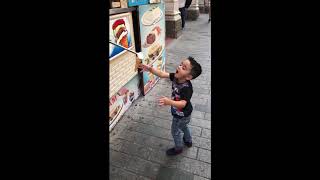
{"x":123,"y":47}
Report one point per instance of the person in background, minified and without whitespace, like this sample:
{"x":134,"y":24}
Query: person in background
{"x":182,"y":9}
{"x":209,"y":5}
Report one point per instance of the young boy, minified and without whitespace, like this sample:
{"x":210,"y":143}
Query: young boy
{"x":181,"y":107}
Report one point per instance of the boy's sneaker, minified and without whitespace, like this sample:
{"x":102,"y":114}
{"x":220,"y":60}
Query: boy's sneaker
{"x":188,"y":144}
{"x":174,"y":151}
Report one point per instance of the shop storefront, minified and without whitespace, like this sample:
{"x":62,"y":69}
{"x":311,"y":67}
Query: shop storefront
{"x":138,"y":25}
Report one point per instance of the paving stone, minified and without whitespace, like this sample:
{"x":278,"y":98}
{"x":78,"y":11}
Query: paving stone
{"x":139,"y":138}
{"x":121,"y":174}
{"x":160,"y":157}
{"x":198,"y":114}
{"x":150,"y":130}
{"x":190,"y":152}
{"x":205,"y":86}
{"x":199,"y":101}
{"x":115,"y":144}
{"x":196,"y":177}
{"x":195,"y":131}
{"x":151,"y":141}
{"x":195,"y":167}
{"x":207,"y":116}
{"x":204,"y":155}
{"x":204,"y":96}
{"x":201,"y":142}
{"x":141,"y":166}
{"x":158,"y":143}
{"x":163,"y":123}
{"x":135,"y":149}
{"x":118,"y":128}
{"x":200,"y":123}
{"x":166,"y":173}
{"x":118,"y":159}
{"x":124,"y":134}
{"x":202,"y":108}
{"x":206,"y":133}
{"x":201,"y":90}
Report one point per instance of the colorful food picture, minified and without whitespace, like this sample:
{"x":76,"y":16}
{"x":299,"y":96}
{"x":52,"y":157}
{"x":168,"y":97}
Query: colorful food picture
{"x":115,"y":108}
{"x":122,"y":100}
{"x":152,"y":29}
{"x":155,"y":51}
{"x":159,"y":64}
{"x":152,"y":37}
{"x":152,"y":16}
{"x":120,"y":33}
{"x":149,"y":79}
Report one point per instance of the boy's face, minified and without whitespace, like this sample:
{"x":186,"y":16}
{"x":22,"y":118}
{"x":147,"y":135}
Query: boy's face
{"x":183,"y":71}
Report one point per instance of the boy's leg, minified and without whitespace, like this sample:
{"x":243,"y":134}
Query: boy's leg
{"x":186,"y":131}
{"x":176,"y":133}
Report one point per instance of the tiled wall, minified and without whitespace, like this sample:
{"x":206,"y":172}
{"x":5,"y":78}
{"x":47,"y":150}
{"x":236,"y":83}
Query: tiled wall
{"x":121,"y":71}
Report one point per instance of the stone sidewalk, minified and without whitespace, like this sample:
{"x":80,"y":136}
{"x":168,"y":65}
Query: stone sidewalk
{"x":139,"y":140}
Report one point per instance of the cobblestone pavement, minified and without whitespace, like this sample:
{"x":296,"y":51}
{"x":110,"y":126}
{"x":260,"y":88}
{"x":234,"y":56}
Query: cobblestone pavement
{"x":139,"y":141}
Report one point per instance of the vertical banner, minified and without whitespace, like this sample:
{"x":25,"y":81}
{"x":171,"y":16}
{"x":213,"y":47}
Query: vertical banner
{"x":152,"y":33}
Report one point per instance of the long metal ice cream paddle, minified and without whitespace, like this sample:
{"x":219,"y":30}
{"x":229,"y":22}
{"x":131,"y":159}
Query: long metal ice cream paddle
{"x":140,"y":55}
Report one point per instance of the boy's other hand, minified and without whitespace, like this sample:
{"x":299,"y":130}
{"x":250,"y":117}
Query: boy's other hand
{"x":164,"y":101}
{"x":144,"y":67}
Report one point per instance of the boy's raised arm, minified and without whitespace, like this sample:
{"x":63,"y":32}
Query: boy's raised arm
{"x":161,"y":74}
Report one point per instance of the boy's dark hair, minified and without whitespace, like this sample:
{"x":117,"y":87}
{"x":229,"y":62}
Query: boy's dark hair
{"x":196,"y":67}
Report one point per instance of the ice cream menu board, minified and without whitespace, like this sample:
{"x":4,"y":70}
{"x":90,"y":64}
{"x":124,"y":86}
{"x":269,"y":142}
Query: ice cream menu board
{"x":121,"y":62}
{"x":122,"y":100}
{"x":152,"y":29}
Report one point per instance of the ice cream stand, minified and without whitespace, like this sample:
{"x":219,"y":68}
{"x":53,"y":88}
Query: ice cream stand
{"x":137,"y":26}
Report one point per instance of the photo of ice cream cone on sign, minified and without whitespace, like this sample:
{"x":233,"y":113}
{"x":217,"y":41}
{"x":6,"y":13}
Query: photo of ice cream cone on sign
{"x":120,"y":33}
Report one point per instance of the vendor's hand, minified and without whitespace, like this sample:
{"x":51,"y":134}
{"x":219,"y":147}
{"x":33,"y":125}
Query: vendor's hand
{"x":164,"y":101}
{"x":144,"y":67}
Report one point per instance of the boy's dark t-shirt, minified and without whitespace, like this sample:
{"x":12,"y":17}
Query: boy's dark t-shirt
{"x":181,"y":91}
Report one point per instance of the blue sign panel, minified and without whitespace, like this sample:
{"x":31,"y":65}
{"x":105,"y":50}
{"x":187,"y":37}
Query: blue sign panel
{"x":137,"y":2}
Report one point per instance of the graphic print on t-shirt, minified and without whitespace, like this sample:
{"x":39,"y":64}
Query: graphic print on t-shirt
{"x":176,"y":96}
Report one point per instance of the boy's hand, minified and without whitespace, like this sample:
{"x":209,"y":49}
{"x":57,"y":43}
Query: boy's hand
{"x":144,"y":67}
{"x":164,"y":101}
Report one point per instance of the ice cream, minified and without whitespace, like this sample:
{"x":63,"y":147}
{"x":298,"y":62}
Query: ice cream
{"x":120,"y":33}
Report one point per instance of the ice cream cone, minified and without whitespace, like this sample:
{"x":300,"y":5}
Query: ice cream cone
{"x":124,"y":42}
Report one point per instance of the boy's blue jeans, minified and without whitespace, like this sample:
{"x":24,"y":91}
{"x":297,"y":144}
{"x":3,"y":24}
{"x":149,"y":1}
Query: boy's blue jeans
{"x":180,"y":126}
